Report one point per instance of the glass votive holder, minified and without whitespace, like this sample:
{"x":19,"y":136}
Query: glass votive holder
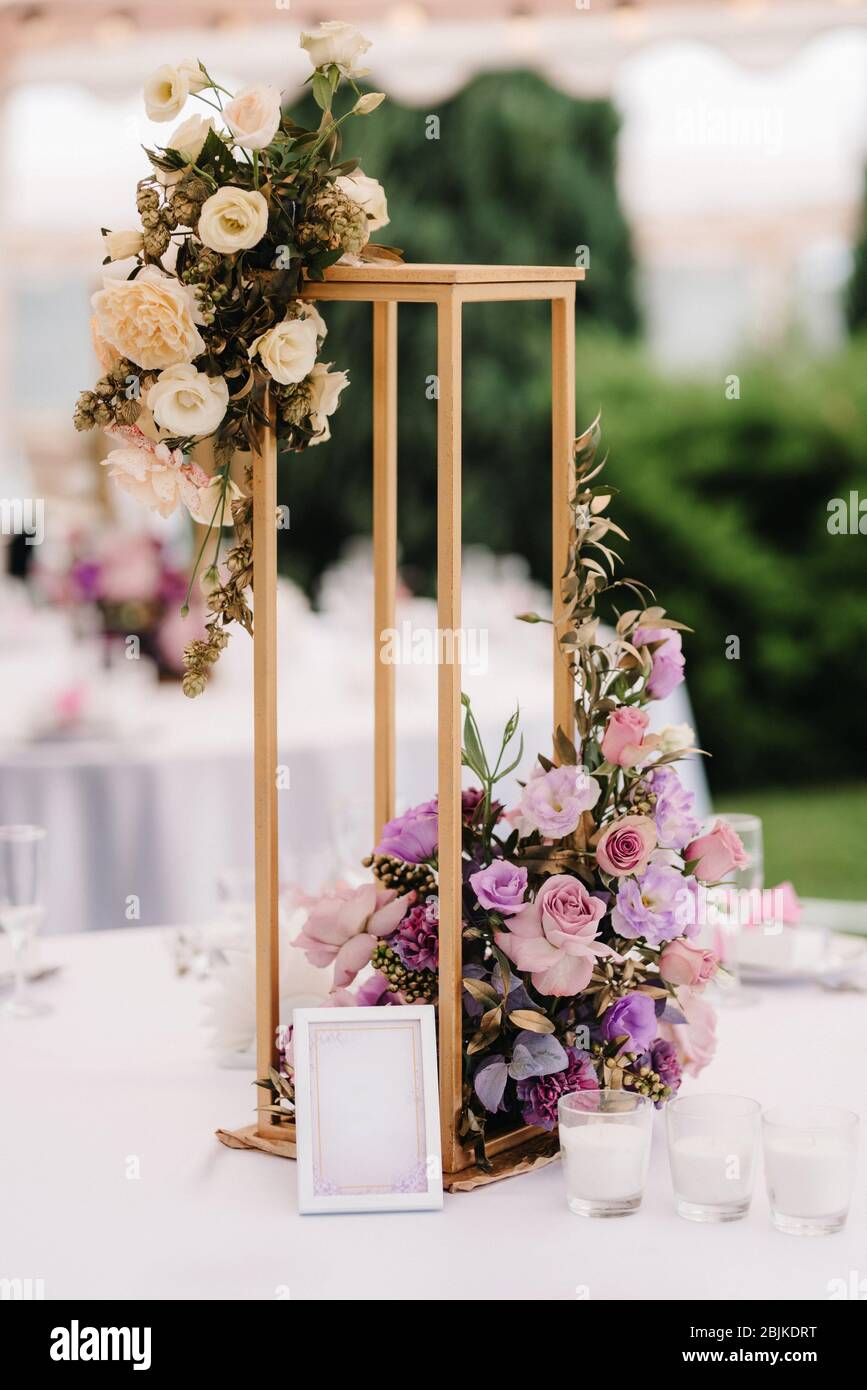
{"x":605,"y":1147}
{"x":810,"y":1153}
{"x":712,"y":1148}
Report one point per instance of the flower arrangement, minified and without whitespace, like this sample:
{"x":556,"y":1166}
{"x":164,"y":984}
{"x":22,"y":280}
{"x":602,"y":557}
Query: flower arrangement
{"x":582,"y":904}
{"x":241,"y":208}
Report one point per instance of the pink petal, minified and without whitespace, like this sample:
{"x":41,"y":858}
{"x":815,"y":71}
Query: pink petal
{"x":527,"y":922}
{"x":385,"y":919}
{"x":535,"y":954}
{"x":569,"y":975}
{"x":353,"y":956}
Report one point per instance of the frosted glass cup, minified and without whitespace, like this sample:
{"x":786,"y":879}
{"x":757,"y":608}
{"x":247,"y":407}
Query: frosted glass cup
{"x":810,"y":1153}
{"x":713,"y":1144}
{"x":605,"y":1147}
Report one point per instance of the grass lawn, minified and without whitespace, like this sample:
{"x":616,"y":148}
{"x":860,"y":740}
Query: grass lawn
{"x":815,"y":836}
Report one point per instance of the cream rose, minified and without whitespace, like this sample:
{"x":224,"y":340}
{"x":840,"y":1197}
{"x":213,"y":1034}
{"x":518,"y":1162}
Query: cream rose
{"x":233,"y":219}
{"x":253,"y":117}
{"x":288,"y":350}
{"x":325,"y":389}
{"x":165,"y":93}
{"x":336,"y":42}
{"x":369,"y":194}
{"x":119,"y":246}
{"x":191,"y":69}
{"x":187,"y":402}
{"x":149,"y":319}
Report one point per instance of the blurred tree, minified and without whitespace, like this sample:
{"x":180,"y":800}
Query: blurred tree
{"x":519,"y":173}
{"x":856,"y":306}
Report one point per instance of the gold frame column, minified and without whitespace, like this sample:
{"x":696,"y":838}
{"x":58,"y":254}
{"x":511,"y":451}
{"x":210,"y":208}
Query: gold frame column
{"x":562,"y":455}
{"x":449,"y":738}
{"x":384,"y":556}
{"x":265,"y":754}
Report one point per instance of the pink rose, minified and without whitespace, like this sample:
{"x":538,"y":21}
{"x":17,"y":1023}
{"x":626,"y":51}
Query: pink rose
{"x":344,"y":924}
{"x":717,"y":853}
{"x":554,"y":936}
{"x":626,"y":845}
{"x":695,"y":1040}
{"x":623,"y":742}
{"x":668,"y":661}
{"x":554,"y":802}
{"x":681,"y":963}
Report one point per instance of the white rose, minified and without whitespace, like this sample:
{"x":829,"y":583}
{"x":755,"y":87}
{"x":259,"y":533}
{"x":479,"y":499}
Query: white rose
{"x":187,"y":402}
{"x":188,"y":139}
{"x":191,"y":69}
{"x":233,"y":219}
{"x":165,"y":93}
{"x":336,"y":42}
{"x":288,"y":350}
{"x":309,"y":311}
{"x":368,"y":194}
{"x":325,"y":389}
{"x":121,"y":245}
{"x":253,"y":117}
{"x":676,"y":738}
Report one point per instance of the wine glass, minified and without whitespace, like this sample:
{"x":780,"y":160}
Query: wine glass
{"x":742,"y":891}
{"x":22,"y":864}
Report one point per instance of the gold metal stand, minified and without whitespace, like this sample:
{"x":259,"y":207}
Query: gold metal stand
{"x":449,"y":288}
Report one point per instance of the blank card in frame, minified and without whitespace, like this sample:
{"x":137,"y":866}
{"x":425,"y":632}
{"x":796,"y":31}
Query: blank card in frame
{"x":367,"y":1108}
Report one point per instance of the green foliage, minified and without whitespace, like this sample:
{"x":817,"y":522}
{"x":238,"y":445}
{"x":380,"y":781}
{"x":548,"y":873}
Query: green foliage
{"x":520,"y":174}
{"x":815,"y":837}
{"x":857,"y":296}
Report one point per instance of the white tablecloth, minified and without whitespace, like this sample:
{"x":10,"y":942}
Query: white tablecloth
{"x":121,"y":1072}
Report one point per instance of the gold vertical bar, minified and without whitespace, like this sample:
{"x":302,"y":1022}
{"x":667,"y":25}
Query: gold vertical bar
{"x":562,"y":441}
{"x":449,"y":718}
{"x":384,"y":554}
{"x":265,"y":748}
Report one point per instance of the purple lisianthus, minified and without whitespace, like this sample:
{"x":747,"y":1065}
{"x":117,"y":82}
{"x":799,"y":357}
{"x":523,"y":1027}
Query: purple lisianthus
{"x":675,"y":823}
{"x":634,"y":1018}
{"x":668,"y":659}
{"x":500,"y":887}
{"x":538,"y":1095}
{"x":413,"y":836}
{"x":416,"y":940}
{"x":658,"y":906}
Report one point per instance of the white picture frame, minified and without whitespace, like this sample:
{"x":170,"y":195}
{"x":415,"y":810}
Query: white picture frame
{"x":367,"y":1109}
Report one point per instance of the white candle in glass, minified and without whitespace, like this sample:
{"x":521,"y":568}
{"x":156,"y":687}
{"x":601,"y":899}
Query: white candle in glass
{"x":712,"y":1143}
{"x":605,"y":1144}
{"x":810,"y":1158}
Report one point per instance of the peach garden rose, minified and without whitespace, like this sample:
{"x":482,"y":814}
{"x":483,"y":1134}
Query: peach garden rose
{"x":149,"y":319}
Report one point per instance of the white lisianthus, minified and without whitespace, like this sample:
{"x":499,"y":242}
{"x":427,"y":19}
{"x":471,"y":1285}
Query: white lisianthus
{"x":187,"y":402}
{"x":368,"y":103}
{"x":676,"y":738}
{"x":288,"y":350}
{"x":233,"y":219}
{"x":191,"y":69}
{"x":309,"y":311}
{"x":207,"y":508}
{"x":165,"y":93}
{"x":325,"y":389}
{"x":336,"y":42}
{"x":369,"y":194}
{"x":188,"y":139}
{"x":253,"y":117}
{"x":119,"y":246}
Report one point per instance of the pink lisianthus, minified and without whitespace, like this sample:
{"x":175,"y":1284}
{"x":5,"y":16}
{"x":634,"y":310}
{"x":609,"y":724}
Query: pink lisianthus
{"x":344,"y":924}
{"x":625,"y":741}
{"x":554,"y":936}
{"x":554,"y":802}
{"x":681,"y":963}
{"x":625,"y":846}
{"x":695,"y":1040}
{"x":717,"y":853}
{"x":668,"y":660}
{"x":413,"y":836}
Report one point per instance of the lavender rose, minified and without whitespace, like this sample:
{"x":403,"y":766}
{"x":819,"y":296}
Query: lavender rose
{"x":413,"y":836}
{"x":554,"y":937}
{"x":632,"y":1018}
{"x":500,"y":887}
